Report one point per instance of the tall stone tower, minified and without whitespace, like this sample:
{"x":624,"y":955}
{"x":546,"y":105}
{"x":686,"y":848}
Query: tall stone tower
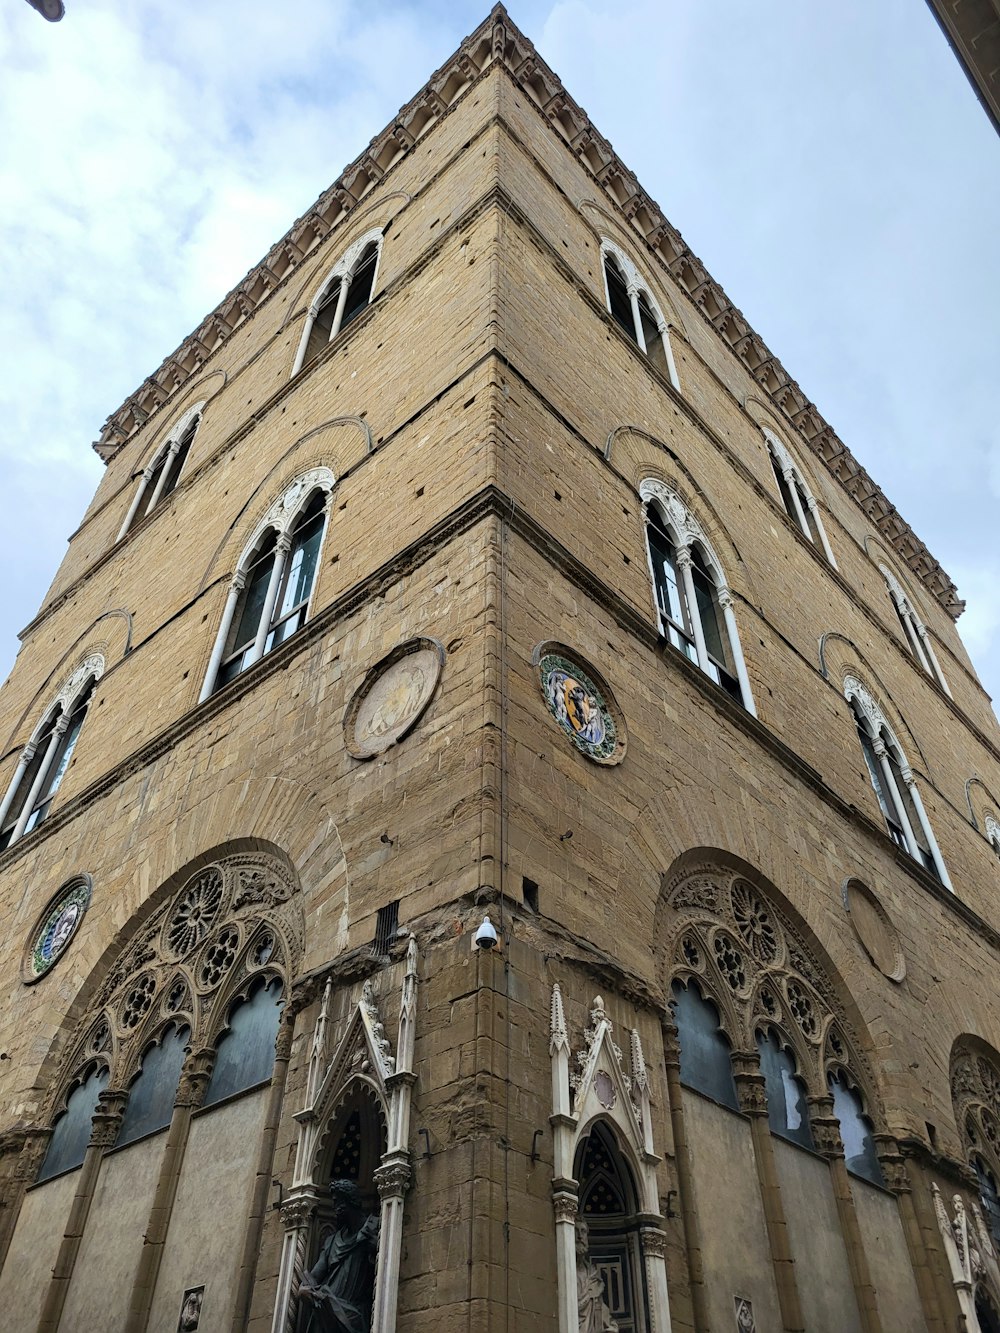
{"x":490,"y":743}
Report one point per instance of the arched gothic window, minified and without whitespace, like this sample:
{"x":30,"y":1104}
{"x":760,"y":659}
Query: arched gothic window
{"x":693,"y":603}
{"x":342,"y":297}
{"x":270,"y":592}
{"x":44,"y":760}
{"x":161,"y":476}
{"x":634,"y":309}
{"x":975,"y":1094}
{"x":151,"y":1093}
{"x":855,"y":1128}
{"x":993,"y":832}
{"x":914,"y":633}
{"x":72,"y":1129}
{"x":787,"y":1111}
{"x":892,"y":780}
{"x":704,"y":1048}
{"x":799,"y":502}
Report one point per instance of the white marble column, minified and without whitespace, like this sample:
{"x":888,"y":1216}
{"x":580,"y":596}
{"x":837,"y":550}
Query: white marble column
{"x":27,"y":754}
{"x":41,"y":777}
{"x":925,"y":824}
{"x":818,"y":520}
{"x":684,"y":564}
{"x":895,"y":797}
{"x":725,"y":600}
{"x":925,"y":639}
{"x":235,"y":588}
{"x":282,"y":547}
{"x":136,"y":501}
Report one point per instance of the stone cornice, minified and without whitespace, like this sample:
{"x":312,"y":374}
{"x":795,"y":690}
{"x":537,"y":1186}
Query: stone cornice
{"x":491,"y":502}
{"x":498,"y":42}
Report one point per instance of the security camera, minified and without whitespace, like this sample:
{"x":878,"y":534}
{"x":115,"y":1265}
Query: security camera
{"x":486,"y":936}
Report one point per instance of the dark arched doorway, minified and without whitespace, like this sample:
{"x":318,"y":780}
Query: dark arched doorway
{"x":609,"y":1206}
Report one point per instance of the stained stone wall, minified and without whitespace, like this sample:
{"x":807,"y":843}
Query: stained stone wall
{"x":489,"y":427}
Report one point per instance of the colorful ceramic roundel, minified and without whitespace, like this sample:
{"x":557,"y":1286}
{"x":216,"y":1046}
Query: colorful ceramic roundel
{"x":580,"y":708}
{"x":57,"y":927}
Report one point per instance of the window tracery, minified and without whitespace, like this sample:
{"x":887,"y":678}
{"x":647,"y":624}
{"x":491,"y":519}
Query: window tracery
{"x":189,"y":979}
{"x":798,"y":500}
{"x":975,"y":1094}
{"x":914,"y":632}
{"x":164,"y":471}
{"x":733,"y":943}
{"x":272,"y":588}
{"x":893,"y":782}
{"x":346,"y":291}
{"x":635,"y":310}
{"x":693,"y":603}
{"x":44,"y":760}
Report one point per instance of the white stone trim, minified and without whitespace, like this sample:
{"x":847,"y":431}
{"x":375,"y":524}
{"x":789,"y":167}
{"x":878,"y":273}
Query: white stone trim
{"x":792,"y":474}
{"x":636,"y":283}
{"x":993,"y":832}
{"x":921,"y":646}
{"x":687,"y":531}
{"x":171,"y":443}
{"x":343,"y":268}
{"x":877,"y":724}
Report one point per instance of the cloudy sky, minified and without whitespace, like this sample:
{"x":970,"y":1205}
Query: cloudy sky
{"x":829,"y":164}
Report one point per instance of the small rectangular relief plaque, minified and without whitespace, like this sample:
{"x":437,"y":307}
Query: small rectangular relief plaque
{"x":744,"y":1315}
{"x":190,"y":1317}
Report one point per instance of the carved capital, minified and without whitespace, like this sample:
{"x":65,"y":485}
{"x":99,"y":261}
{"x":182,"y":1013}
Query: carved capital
{"x":654,"y":1242}
{"x":671,"y":1043}
{"x":892,"y":1163}
{"x":297,"y":1213}
{"x":239,"y":581}
{"x":826,"y":1136}
{"x":878,"y":745}
{"x":392,"y":1179}
{"x":194,"y":1079}
{"x":285,"y":1037}
{"x":682,"y":557}
{"x":751,"y":1090}
{"x":32,"y":1151}
{"x":724,"y":597}
{"x":565,"y":1203}
{"x":107,"y":1119}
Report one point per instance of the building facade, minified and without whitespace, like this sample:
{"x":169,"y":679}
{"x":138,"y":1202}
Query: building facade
{"x":474,"y":574}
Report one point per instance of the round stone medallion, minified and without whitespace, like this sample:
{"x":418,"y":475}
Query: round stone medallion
{"x":581,"y":704}
{"x":393,"y":697}
{"x":56,"y":928}
{"x":874,"y":928}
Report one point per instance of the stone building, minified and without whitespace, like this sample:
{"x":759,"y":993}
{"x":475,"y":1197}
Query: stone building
{"x":475,"y":558}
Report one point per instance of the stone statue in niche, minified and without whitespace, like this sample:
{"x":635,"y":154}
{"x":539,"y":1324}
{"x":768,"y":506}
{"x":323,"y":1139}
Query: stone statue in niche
{"x":336,"y":1294}
{"x":595,"y":1317}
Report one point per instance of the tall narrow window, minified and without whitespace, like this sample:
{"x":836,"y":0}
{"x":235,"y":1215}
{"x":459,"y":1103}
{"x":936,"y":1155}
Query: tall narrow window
{"x":787,"y":1109}
{"x":798,"y":501}
{"x":914,"y":633}
{"x":632,"y":307}
{"x":892,"y":780}
{"x":151,"y":1096}
{"x":855,"y":1130}
{"x":246,"y":1050}
{"x":71,"y":1132}
{"x":705,"y":1061}
{"x":45,"y":759}
{"x":161,"y":477}
{"x":347,"y":291}
{"x":269,"y":597}
{"x":693,"y":603}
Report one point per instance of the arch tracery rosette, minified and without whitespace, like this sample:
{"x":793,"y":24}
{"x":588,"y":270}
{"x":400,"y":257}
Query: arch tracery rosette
{"x":749,"y":958}
{"x":232,"y":925}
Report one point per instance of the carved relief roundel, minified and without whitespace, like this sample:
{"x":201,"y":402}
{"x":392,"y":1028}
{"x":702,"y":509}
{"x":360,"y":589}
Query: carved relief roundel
{"x":581,"y":704}
{"x":393,"y":697}
{"x":56,"y":928}
{"x":875,"y":931}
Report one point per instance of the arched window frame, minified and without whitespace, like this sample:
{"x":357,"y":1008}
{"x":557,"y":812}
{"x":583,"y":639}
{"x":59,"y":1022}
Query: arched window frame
{"x":52,"y":743}
{"x":884,"y":759}
{"x":798,"y":500}
{"x":778,"y":1115}
{"x":690,"y":546}
{"x":914,"y":631}
{"x":639,"y":295}
{"x":280,"y":520}
{"x":163,"y":472}
{"x":992,"y":827}
{"x":975,"y":1078}
{"x":342,"y":272}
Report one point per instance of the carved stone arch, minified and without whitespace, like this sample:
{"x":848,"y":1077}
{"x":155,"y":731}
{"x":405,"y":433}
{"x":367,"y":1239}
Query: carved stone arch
{"x":984,"y":808}
{"x":974,"y":1076}
{"x":608,"y":227}
{"x":776,"y":429}
{"x":891,"y":573}
{"x":839,"y":658}
{"x":684,"y":522}
{"x":195,"y":395}
{"x":112,"y":643}
{"x":174,"y":431}
{"x":708,"y":889}
{"x":335,"y":457}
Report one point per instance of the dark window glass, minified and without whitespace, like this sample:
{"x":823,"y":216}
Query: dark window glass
{"x":855,"y":1130}
{"x":151,"y":1097}
{"x":811,"y":525}
{"x":669,"y":594}
{"x":60,"y":762}
{"x":246,"y":1050}
{"x":877,"y":780}
{"x":618,"y":298}
{"x":246,"y":621}
{"x":715,"y":638}
{"x":787,"y":1110}
{"x":906,"y":797}
{"x":652,"y":336}
{"x":319,"y":333}
{"x":705,"y":1062}
{"x":71,"y":1132}
{"x":300,"y":573}
{"x":27,"y":782}
{"x":988,"y":1196}
{"x":986,"y":1312}
{"x":176,"y":463}
{"x":786,"y":494}
{"x":359,"y":291}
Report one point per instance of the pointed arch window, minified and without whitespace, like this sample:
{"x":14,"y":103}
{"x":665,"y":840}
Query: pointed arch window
{"x":245,"y":1055}
{"x":71,"y":1131}
{"x":344,"y":295}
{"x":161,"y":477}
{"x":705,"y":1060}
{"x":693,"y":603}
{"x":787,"y":1109}
{"x":914,"y":632}
{"x":893,"y":782}
{"x":856,"y":1130}
{"x":634,"y":309}
{"x":798,"y":501}
{"x":270,"y":593}
{"x":44,"y":760}
{"x":151,"y":1096}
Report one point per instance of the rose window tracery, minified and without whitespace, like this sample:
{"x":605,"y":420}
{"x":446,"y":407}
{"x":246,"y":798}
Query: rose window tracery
{"x":801,"y":1008}
{"x":219,"y":957}
{"x":138,"y":1002}
{"x":755,"y":924}
{"x":975,"y":1090}
{"x":730,"y":961}
{"x":195,"y":913}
